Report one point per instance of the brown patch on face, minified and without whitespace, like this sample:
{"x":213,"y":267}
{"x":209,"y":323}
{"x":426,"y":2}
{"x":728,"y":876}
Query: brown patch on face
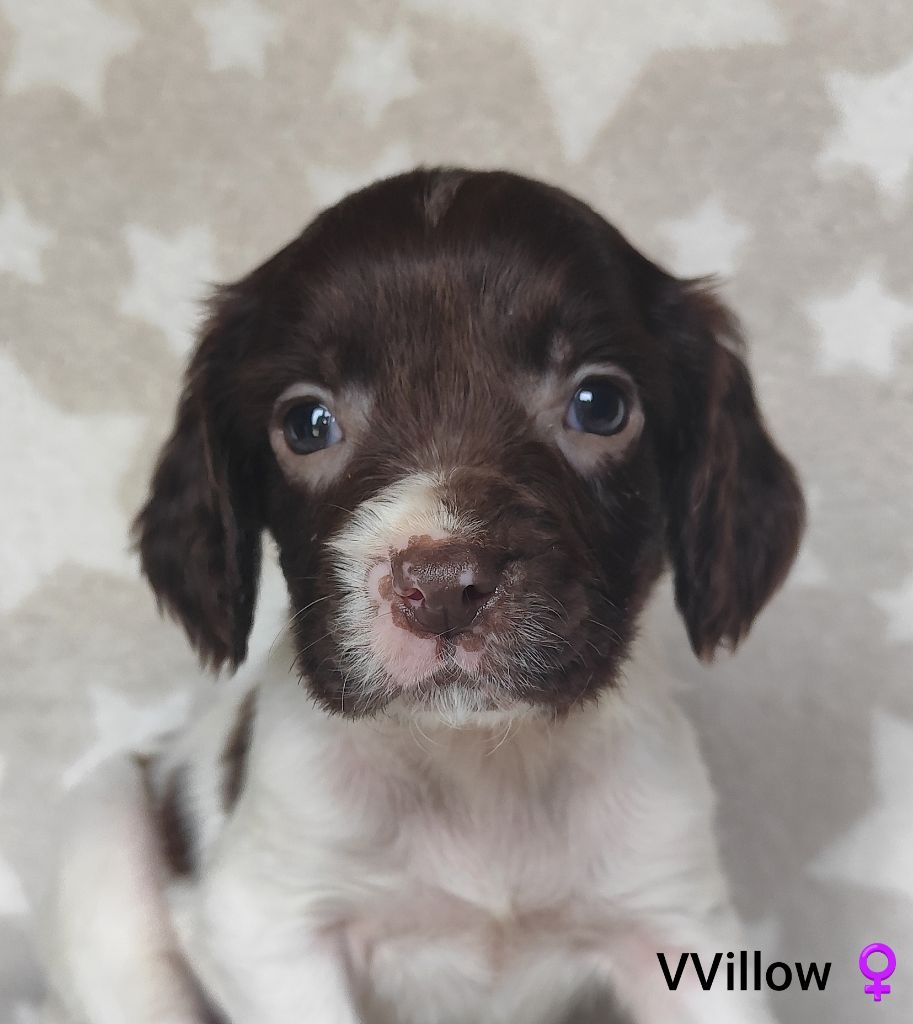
{"x":401,"y":618}
{"x":236,"y":751}
{"x":385,"y":587}
{"x":425,"y":553}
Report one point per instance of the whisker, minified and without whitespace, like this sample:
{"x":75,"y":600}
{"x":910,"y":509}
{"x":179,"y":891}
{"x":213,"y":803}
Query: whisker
{"x":503,"y":740}
{"x":342,"y":508}
{"x":605,"y":626}
{"x":425,"y":735}
{"x":292,"y":620}
{"x":317,"y":641}
{"x":412,"y":724}
{"x":560,"y":604}
{"x":342,"y":693}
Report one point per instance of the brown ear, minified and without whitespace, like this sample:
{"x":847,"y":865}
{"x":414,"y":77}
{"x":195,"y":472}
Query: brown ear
{"x":198,"y":534}
{"x":735,"y":508}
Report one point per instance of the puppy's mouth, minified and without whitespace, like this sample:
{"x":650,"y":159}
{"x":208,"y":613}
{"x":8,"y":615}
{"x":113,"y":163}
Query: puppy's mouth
{"x":506,"y":648}
{"x":435,"y":607}
{"x":486,"y":632}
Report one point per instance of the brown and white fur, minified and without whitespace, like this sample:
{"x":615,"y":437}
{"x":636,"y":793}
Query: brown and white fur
{"x":473,"y":800}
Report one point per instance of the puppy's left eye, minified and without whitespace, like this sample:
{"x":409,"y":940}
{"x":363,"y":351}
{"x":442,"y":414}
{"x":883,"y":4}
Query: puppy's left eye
{"x":599,"y":406}
{"x":309,"y":427}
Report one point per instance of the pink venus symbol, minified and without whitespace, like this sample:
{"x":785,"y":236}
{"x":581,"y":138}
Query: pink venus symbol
{"x":877,"y":989}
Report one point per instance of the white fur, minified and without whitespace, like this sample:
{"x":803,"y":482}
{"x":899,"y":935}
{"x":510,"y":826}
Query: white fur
{"x":454,"y":875}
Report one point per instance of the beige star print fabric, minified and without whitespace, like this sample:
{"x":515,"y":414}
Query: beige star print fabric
{"x":149,"y":149}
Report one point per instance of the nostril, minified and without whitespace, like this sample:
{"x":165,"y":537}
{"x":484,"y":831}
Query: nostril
{"x":415,"y":596}
{"x":474,"y":594}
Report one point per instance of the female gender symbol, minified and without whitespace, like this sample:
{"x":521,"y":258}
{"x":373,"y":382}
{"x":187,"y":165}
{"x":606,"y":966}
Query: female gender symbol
{"x":877,"y":989}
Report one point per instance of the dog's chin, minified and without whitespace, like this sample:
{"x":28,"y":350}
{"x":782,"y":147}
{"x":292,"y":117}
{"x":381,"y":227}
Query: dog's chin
{"x":451,"y":681}
{"x":453,"y":697}
{"x":449,"y":696}
{"x":456,"y":700}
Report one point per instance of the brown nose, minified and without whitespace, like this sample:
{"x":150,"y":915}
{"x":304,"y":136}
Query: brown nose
{"x":444,"y":583}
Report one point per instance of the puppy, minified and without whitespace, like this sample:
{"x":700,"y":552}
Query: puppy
{"x":478,"y":426}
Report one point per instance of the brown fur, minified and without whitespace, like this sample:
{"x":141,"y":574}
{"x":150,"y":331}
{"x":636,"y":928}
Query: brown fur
{"x":167,"y":803}
{"x":237,"y":748}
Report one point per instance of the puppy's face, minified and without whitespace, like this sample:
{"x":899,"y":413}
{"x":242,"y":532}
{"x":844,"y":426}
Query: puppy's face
{"x":476,"y":423}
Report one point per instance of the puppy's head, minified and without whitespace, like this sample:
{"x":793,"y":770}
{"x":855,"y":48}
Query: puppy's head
{"x":477,"y":423}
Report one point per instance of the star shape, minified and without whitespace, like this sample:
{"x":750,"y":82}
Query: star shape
{"x":12,"y":895}
{"x":22,"y":241}
{"x":238,"y":33}
{"x":877,"y":852}
{"x":122,"y":724}
{"x":873,"y":109}
{"x":589,"y":56}
{"x":170,"y":278}
{"x":376,"y":71}
{"x":329,"y":184}
{"x":861,"y":327}
{"x":68,"y":45}
{"x":63,"y":504}
{"x":897,"y":605}
{"x":706,"y":241}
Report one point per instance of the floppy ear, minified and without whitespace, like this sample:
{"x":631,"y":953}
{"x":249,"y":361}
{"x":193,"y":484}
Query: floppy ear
{"x":735,"y":508}
{"x":198,"y":534}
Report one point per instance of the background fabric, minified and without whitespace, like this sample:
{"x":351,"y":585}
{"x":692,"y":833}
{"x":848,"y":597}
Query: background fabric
{"x":151,"y":148}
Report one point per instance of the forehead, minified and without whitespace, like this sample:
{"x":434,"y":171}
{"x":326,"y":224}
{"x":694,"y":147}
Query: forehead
{"x":430,"y":275}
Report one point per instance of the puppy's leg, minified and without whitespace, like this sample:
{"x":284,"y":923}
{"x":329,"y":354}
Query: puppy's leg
{"x":114,"y":954}
{"x":260,"y":956}
{"x":295,"y":985}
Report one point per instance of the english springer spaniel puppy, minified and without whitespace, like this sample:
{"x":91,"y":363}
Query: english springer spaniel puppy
{"x":478,"y":426}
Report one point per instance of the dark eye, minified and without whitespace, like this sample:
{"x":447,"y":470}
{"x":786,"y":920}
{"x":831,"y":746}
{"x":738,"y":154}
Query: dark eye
{"x":309,"y":426}
{"x":599,"y":406}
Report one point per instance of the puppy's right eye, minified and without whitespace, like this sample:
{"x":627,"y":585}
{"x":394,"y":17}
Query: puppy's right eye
{"x":309,"y":426}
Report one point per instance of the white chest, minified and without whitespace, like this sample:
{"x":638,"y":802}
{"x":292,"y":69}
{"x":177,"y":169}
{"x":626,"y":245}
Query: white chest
{"x":468,"y":919}
{"x":459,"y":884}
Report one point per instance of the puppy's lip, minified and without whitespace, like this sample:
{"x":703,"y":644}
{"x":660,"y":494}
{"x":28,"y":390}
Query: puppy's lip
{"x":465,"y":637}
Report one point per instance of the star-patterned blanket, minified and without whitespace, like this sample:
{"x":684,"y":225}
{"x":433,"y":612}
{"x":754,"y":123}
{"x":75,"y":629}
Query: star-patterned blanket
{"x":152,"y":149}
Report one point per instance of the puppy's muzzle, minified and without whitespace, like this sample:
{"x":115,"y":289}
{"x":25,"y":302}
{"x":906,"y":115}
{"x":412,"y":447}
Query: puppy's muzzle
{"x":442,"y":586}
